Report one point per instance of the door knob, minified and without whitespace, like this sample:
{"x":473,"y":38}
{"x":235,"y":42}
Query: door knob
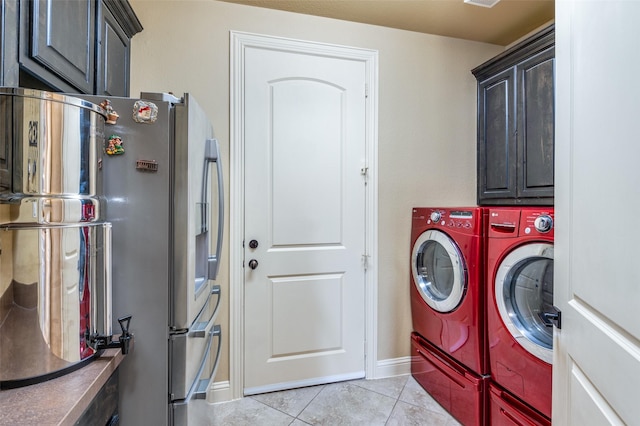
{"x":253,"y":264}
{"x":253,"y":244}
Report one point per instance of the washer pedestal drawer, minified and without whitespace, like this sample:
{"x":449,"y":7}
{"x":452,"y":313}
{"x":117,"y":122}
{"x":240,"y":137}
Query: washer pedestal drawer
{"x":459,"y":390}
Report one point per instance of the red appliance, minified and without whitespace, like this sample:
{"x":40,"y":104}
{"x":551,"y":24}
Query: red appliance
{"x":447,"y":276}
{"x":520,"y":310}
{"x":457,"y":389}
{"x":506,"y":410}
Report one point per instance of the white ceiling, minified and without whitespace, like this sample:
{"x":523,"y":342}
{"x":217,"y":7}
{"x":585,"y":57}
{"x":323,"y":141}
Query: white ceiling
{"x":502,"y":24}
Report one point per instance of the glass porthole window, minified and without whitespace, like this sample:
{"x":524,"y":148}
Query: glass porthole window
{"x":524,"y":293}
{"x":439,"y":272}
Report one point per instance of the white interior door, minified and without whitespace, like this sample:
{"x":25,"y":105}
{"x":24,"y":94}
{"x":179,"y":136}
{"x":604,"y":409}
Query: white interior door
{"x":305,"y":209}
{"x":597,"y":280}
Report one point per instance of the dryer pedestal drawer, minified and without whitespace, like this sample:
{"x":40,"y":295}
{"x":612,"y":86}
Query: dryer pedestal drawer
{"x":507,"y":410}
{"x":459,"y":390}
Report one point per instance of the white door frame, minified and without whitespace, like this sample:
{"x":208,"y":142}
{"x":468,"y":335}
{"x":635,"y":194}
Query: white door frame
{"x":239,"y":41}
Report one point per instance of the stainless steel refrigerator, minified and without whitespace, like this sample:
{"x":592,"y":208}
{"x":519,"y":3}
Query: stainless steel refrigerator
{"x":163,"y":192}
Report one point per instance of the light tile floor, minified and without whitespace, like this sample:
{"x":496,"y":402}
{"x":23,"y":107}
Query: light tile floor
{"x":395,"y":401}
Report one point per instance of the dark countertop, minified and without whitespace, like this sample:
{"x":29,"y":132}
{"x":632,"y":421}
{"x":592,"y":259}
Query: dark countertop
{"x":60,"y":401}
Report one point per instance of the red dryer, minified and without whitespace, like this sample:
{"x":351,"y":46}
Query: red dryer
{"x":447,"y":304}
{"x":520,"y":311}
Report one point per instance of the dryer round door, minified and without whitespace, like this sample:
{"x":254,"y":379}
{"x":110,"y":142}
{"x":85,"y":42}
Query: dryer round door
{"x":439,"y":271}
{"x":524,"y":292}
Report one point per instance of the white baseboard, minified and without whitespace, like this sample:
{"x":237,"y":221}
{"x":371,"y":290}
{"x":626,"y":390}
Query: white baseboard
{"x":221,"y":391}
{"x":392,"y":367}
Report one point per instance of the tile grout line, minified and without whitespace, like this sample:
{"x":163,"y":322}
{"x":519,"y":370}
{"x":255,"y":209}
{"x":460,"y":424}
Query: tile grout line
{"x":309,"y":403}
{"x":397,"y":400}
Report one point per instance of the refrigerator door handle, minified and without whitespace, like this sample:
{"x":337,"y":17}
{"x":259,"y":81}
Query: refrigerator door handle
{"x":199,"y":387}
{"x":200,"y":391}
{"x":201,"y":328}
{"x":212,"y":155}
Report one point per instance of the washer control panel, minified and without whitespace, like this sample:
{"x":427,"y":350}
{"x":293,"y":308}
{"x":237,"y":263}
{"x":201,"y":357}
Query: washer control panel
{"x":514,"y":222}
{"x":536,"y":222}
{"x":543,"y":223}
{"x":466,"y":220}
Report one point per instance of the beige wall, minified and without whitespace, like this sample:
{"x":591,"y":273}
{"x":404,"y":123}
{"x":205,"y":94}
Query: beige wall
{"x":427,"y":116}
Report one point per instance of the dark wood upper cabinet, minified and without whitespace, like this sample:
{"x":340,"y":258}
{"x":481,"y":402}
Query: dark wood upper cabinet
{"x":112,"y":71}
{"x":57,"y":41}
{"x":516,"y":124}
{"x":8,"y":43}
{"x":536,"y":124}
{"x":73,"y":46}
{"x":496,"y":141}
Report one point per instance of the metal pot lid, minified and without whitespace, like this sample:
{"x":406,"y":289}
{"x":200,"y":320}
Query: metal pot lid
{"x":53,"y":97}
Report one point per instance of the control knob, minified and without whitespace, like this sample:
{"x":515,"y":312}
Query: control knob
{"x":543,"y":223}
{"x":435,"y":216}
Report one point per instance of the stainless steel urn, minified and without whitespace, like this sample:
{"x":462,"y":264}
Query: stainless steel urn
{"x":55,"y":252}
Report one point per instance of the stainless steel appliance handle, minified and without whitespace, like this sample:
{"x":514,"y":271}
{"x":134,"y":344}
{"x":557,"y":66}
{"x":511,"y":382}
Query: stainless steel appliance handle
{"x":199,"y":387}
{"x":201,"y":328}
{"x":212,"y":155}
{"x":204,"y":384}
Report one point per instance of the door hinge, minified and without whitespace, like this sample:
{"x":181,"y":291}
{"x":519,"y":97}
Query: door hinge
{"x":551,"y":318}
{"x":365,"y":261}
{"x":364,"y":172}
{"x":366,"y":90}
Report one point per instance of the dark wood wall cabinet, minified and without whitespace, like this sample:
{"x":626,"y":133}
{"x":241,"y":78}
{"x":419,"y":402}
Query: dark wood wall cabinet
{"x":516,"y":124}
{"x":73,"y":46}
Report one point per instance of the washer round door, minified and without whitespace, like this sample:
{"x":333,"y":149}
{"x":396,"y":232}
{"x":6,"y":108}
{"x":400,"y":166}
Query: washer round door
{"x":524,"y":293}
{"x":439,"y":271}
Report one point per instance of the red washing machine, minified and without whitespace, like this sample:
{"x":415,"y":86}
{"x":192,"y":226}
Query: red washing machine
{"x":447,"y":276}
{"x":520,"y":311}
{"x":447,"y":304}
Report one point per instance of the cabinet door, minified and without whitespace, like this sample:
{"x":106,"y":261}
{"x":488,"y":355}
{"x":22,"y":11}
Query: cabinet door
{"x":8,"y":77}
{"x":536,"y":126}
{"x":113,"y":56}
{"x":496,"y":138}
{"x":8,"y":43}
{"x":59,"y":45}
